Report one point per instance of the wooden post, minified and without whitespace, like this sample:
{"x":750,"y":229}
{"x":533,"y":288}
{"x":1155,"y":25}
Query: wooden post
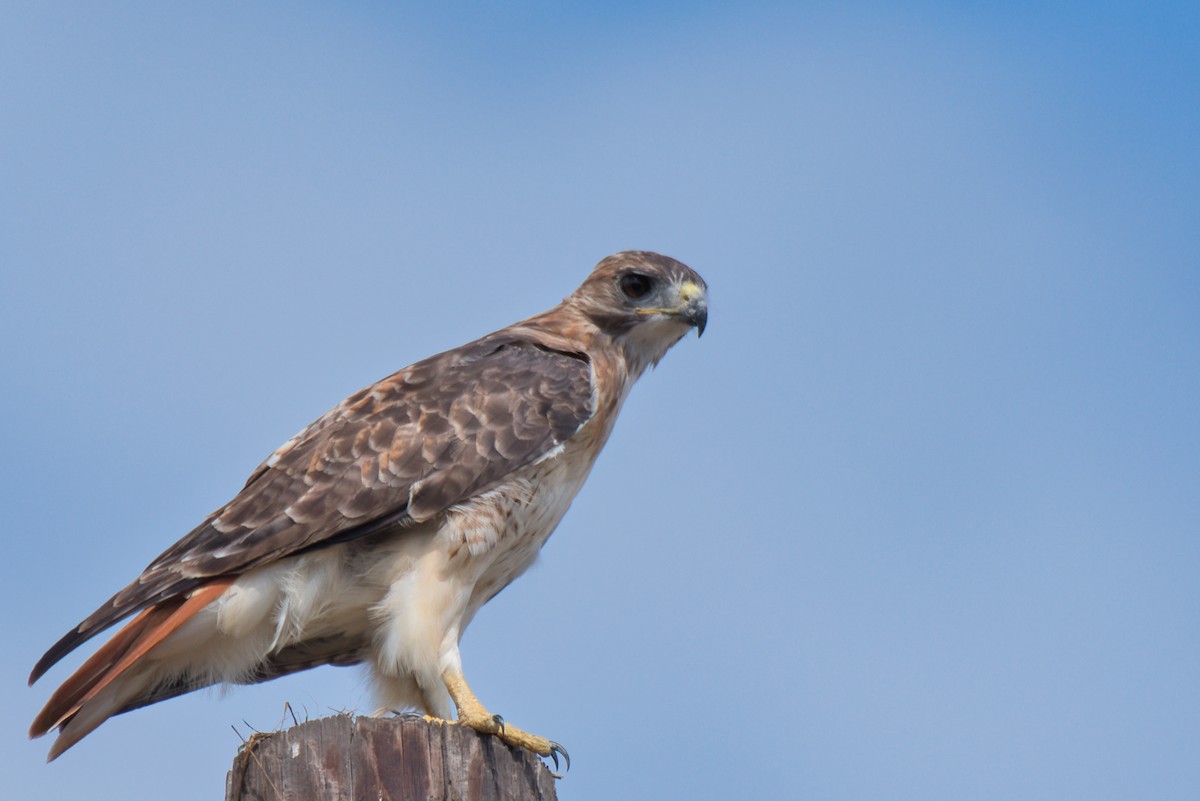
{"x":344,"y":758}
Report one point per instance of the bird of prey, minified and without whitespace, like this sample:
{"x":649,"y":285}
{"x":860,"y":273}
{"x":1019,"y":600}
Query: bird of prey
{"x":376,"y":533}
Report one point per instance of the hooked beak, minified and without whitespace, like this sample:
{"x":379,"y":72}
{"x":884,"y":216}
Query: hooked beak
{"x":693,"y":306}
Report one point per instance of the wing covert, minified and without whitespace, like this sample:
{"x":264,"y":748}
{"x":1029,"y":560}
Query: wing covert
{"x":399,"y":451}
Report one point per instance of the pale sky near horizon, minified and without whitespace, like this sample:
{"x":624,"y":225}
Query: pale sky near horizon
{"x":918,"y":517}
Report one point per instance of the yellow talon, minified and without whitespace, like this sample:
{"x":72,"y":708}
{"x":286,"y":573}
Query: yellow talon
{"x":471,"y":713}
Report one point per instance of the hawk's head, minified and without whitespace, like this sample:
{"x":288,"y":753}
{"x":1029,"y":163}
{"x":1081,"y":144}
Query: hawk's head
{"x":645,"y":301}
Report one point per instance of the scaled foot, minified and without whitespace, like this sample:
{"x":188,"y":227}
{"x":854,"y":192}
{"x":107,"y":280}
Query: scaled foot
{"x":472,"y":713}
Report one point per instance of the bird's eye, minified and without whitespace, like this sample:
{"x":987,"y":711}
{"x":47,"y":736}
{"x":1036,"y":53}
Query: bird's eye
{"x":636,"y":285}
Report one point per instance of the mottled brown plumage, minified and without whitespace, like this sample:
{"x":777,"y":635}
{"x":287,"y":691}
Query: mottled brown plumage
{"x":448,"y":445}
{"x":398,"y":451}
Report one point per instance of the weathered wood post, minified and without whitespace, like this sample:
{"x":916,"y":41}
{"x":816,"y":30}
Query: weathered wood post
{"x":344,"y":758}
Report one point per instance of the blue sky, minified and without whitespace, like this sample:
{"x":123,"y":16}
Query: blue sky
{"x":917,"y":518}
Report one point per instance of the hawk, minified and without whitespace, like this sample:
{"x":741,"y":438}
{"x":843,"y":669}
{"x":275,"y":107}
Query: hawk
{"x":375,"y":534}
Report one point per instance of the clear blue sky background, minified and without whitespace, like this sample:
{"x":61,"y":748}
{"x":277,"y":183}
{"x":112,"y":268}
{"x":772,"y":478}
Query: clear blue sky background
{"x":918,"y":518}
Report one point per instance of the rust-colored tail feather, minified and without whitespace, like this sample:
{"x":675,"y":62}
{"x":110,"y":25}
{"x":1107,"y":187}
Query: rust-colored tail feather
{"x":120,"y":653}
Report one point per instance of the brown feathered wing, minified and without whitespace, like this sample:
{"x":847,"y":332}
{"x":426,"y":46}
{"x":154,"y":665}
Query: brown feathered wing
{"x":399,"y":451}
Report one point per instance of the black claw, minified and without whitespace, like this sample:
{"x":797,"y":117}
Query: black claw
{"x":499,"y":722}
{"x":555,"y":750}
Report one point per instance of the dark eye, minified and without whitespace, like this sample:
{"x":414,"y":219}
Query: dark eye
{"x":636,"y":285}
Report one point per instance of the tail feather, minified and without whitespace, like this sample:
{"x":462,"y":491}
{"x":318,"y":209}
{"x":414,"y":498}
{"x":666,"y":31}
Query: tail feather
{"x":83,"y":722}
{"x":70,"y":694}
{"x":114,"y":611}
{"x":78,"y":704}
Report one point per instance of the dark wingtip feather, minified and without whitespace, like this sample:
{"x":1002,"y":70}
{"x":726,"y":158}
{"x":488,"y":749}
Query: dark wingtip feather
{"x":117,"y":608}
{"x":69,"y":642}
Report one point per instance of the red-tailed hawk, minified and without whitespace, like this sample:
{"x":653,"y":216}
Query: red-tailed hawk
{"x":376,"y":533}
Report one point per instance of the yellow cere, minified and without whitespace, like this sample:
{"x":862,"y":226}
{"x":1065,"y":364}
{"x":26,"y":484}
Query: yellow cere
{"x":689,"y":290}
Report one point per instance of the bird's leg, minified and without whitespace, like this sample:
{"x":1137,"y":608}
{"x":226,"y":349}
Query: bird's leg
{"x":473,"y":714}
